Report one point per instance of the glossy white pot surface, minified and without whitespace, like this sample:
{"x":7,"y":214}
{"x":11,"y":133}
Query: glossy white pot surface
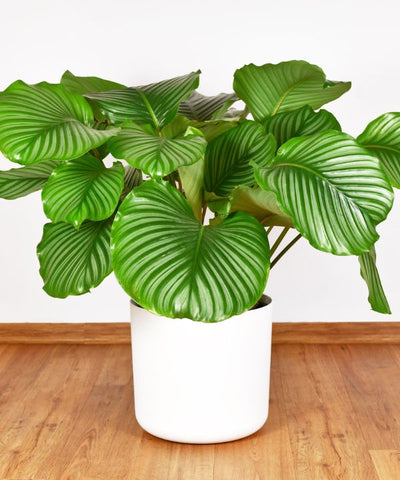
{"x":201,"y":382}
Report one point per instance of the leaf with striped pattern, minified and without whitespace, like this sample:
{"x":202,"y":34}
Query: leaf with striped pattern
{"x":370,"y":274}
{"x":157,"y":155}
{"x":45,"y":122}
{"x":171,"y":264}
{"x":300,"y":122}
{"x":84,"y":85}
{"x":19,"y":182}
{"x":286,"y":86}
{"x":156,"y":104}
{"x":83,"y":189}
{"x":382,"y":139}
{"x":74,"y":261}
{"x":200,"y":107}
{"x":133,"y":177}
{"x":228,"y":157}
{"x":333,"y":189}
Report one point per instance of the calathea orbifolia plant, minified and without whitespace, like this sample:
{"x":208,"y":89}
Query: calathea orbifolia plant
{"x":179,"y":153}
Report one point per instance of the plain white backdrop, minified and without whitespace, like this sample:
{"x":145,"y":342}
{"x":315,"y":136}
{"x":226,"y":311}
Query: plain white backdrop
{"x":141,"y":42}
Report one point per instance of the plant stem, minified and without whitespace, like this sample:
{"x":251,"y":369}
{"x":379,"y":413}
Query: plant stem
{"x":288,"y":247}
{"x":265,"y":219}
{"x":180,"y":188}
{"x":96,"y":153}
{"x":279,"y":240}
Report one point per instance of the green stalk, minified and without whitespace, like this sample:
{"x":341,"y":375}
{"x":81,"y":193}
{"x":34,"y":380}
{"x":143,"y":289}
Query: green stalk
{"x":285,"y":250}
{"x":279,"y":240}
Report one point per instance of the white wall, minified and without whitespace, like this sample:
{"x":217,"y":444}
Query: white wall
{"x":140,"y":42}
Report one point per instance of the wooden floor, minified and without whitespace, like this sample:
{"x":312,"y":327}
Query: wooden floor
{"x":66,"y":412}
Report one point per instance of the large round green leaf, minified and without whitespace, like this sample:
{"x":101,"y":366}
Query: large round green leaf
{"x":334,"y":190}
{"x":200,"y":107}
{"x":22,"y":181}
{"x":172,"y":265}
{"x":45,"y":122}
{"x":74,"y":261}
{"x":300,"y":122}
{"x":156,"y":155}
{"x":84,"y":85}
{"x":156,"y":104}
{"x":382,"y":139}
{"x":270,"y":88}
{"x":228,"y":157}
{"x":83,"y":189}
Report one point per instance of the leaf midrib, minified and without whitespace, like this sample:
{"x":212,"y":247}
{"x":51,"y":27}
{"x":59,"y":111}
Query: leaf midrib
{"x":284,"y":96}
{"x":195,"y":260}
{"x":149,"y":109}
{"x":93,"y":176}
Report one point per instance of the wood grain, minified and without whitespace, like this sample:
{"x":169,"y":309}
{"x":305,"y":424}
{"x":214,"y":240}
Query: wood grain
{"x":66,"y":413}
{"x":372,"y":382}
{"x":337,"y":333}
{"x":119,"y":333}
{"x":66,"y":333}
{"x":387,"y":463}
{"x":324,"y":430}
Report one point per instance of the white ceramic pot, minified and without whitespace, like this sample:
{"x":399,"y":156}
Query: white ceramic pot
{"x":201,"y":382}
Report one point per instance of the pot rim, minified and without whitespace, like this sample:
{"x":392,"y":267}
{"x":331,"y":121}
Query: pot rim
{"x":263,"y":302}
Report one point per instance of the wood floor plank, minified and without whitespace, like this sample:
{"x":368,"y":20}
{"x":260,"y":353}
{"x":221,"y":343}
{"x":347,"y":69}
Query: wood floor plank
{"x":19,"y":369}
{"x":105,"y":430}
{"x":387,"y":463}
{"x":324,"y":430}
{"x":371,"y":376}
{"x":80,"y":374}
{"x":66,"y":413}
{"x":55,"y":397}
{"x":191,"y":462}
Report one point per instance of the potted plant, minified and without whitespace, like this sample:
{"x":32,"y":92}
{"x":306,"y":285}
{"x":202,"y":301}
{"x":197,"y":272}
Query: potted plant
{"x":201,"y":326}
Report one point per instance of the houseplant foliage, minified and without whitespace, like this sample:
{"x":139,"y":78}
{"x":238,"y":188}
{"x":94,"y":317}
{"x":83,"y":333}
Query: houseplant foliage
{"x":281,"y":162}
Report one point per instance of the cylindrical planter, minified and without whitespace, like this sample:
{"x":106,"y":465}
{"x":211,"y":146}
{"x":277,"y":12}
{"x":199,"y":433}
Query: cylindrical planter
{"x":202,"y":382}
